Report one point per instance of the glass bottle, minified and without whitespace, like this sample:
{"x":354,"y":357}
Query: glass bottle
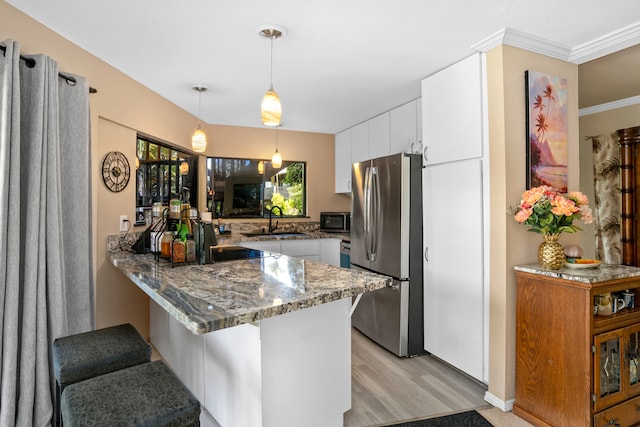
{"x":179,"y":250}
{"x":165,"y":245}
{"x":190,"y":248}
{"x":174,"y":208}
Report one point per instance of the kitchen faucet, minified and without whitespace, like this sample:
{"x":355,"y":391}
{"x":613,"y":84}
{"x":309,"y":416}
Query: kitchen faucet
{"x":271,"y":230}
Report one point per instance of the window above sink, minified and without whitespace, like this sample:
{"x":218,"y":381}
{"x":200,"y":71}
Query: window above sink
{"x":248,"y":188}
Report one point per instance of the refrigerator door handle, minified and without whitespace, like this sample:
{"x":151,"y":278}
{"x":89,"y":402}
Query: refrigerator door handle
{"x":366,"y":214}
{"x":375,"y":212}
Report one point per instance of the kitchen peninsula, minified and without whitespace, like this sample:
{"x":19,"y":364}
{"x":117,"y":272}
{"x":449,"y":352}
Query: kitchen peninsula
{"x":260,"y":342}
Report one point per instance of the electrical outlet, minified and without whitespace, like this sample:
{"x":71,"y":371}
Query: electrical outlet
{"x":124,"y":222}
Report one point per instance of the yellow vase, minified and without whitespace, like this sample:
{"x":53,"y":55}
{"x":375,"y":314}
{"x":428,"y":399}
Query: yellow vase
{"x":550,"y":253}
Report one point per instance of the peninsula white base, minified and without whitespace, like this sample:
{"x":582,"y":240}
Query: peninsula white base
{"x":289,"y":370}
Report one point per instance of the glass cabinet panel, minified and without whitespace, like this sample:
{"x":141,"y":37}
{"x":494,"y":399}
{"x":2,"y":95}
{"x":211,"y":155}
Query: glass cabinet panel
{"x":633,"y":358}
{"x":616,"y":366}
{"x":610,"y":367}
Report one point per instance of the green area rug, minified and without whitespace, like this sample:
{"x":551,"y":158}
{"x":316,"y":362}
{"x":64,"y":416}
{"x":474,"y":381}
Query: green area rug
{"x":463,"y":419}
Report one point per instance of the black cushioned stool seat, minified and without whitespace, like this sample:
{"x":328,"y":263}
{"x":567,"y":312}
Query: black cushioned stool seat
{"x":89,"y":354}
{"x":143,"y":395}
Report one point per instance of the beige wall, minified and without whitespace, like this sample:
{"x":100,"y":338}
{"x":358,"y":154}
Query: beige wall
{"x":119,"y":110}
{"x":510,"y":243}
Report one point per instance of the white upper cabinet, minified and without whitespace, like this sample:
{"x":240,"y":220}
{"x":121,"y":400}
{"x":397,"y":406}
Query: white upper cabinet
{"x":452,"y":112}
{"x":419,"y":126}
{"x":342,"y":152}
{"x":404,"y":127}
{"x":396,"y":131}
{"x":360,"y":142}
{"x":379,"y":136}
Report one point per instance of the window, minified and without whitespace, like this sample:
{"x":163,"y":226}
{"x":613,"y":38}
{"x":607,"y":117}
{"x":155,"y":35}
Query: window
{"x":248,"y":188}
{"x":162,"y":172}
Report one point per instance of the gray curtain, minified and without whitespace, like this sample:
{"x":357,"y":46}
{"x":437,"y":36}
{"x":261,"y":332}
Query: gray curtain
{"x":606,"y":175}
{"x":46,"y":271}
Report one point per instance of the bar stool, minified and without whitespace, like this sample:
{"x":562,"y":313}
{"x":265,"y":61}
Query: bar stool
{"x":148,"y":394}
{"x":90,"y":354}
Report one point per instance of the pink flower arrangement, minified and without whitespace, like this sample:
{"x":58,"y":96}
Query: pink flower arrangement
{"x":548,"y":212}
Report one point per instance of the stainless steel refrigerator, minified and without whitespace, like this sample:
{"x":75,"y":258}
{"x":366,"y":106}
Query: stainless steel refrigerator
{"x":386,"y":238}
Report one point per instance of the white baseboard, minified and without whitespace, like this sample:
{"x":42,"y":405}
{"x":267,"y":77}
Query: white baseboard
{"x":504,"y":405}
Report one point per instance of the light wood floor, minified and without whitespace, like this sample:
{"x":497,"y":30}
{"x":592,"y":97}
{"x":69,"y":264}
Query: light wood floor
{"x":387,"y":389}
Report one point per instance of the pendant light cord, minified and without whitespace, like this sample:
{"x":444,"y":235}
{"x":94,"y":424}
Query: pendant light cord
{"x":199,"y":106}
{"x":271,"y":70}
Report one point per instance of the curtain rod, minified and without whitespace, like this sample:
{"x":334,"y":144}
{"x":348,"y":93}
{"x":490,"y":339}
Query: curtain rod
{"x":30,"y":62}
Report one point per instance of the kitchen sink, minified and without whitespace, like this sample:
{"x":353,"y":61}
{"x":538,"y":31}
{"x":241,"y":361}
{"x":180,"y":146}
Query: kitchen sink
{"x":275,"y":234}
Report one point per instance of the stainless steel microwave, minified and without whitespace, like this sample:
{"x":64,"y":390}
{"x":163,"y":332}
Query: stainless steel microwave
{"x":335,"y":222}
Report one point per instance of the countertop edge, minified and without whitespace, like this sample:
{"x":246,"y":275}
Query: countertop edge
{"x":602,"y":273}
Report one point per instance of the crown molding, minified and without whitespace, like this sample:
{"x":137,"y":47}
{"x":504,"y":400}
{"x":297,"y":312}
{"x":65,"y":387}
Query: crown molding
{"x":609,"y":43}
{"x":519,"y":39}
{"x":613,"y":105}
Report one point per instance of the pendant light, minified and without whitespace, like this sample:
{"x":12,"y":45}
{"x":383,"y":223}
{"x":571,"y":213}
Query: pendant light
{"x":184,"y":168}
{"x":271,"y":109}
{"x":199,"y":138}
{"x":276,"y":159}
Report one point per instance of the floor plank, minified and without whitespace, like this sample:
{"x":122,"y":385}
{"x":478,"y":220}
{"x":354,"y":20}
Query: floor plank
{"x":386,"y":388}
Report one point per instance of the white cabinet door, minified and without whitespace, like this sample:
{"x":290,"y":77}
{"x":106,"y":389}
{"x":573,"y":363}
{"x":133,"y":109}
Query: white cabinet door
{"x":418,"y":126}
{"x":330,"y":251}
{"x":326,"y":251}
{"x":453,"y":267}
{"x":264,"y":245}
{"x":342,"y":149}
{"x":379,"y":136}
{"x":403,"y":126}
{"x":301,"y":248}
{"x":452,"y":112}
{"x":360,"y":142}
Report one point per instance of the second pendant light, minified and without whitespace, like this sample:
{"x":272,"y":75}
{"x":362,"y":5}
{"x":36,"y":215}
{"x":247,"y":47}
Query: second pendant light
{"x":271,"y":109}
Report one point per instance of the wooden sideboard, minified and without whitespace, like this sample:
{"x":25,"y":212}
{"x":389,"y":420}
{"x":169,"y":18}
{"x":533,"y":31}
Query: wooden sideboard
{"x":574,"y":367}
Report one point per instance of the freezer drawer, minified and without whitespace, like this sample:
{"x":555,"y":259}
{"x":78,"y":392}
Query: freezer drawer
{"x":382,"y":316}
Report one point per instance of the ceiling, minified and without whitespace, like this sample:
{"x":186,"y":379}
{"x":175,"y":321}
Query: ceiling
{"x":341,"y":62}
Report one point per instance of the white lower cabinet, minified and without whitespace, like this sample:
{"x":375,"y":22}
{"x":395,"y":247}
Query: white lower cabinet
{"x":289,"y":370}
{"x":326,"y":251}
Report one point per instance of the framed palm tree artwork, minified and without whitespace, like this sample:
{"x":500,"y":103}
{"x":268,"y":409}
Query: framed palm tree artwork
{"x":547,"y":133}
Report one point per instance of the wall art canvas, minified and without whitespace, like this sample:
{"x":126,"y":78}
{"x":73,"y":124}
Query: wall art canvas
{"x":547,"y":133}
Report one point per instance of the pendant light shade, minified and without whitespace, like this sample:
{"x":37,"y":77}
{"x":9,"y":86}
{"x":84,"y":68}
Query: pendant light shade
{"x":271,"y":109}
{"x":276,"y":160}
{"x":184,"y":168}
{"x":260,"y":167}
{"x":199,"y":138}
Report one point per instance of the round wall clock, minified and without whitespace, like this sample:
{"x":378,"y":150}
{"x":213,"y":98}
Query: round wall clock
{"x":115,"y":171}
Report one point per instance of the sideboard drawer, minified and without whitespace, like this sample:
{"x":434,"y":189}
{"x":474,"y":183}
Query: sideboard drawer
{"x":624,"y":414}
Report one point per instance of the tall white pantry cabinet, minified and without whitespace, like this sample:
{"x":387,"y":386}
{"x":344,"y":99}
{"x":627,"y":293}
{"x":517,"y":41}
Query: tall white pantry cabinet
{"x":455,"y":233}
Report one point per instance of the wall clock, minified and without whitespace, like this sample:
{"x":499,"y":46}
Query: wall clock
{"x":115,"y":171}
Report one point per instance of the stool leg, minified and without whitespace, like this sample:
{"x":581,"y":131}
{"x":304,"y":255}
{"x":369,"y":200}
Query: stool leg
{"x":57,"y":413}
